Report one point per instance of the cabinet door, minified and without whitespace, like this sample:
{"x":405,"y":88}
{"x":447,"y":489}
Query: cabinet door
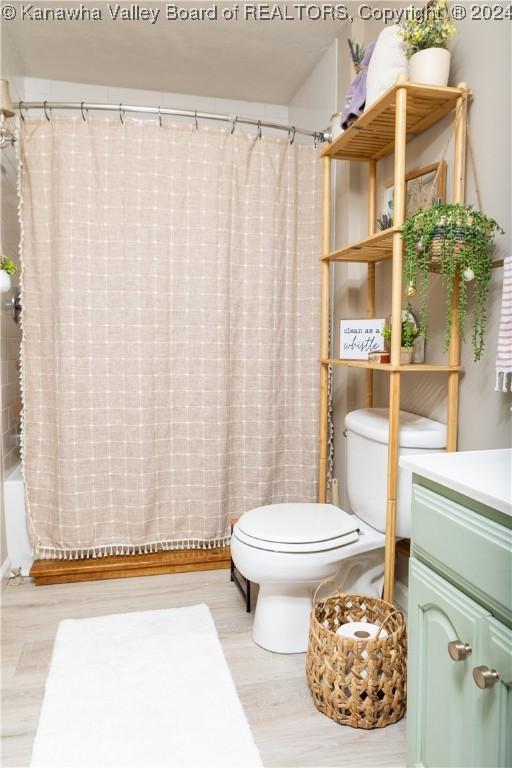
{"x":442,"y":697}
{"x":494,"y":704}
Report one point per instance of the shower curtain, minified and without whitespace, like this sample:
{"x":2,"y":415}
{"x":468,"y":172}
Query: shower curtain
{"x":170,"y":293}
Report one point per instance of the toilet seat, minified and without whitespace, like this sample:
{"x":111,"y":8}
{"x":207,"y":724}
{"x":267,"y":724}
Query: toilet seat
{"x":297,"y":528}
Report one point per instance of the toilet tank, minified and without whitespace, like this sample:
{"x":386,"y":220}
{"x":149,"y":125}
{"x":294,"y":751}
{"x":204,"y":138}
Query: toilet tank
{"x":367,"y":433}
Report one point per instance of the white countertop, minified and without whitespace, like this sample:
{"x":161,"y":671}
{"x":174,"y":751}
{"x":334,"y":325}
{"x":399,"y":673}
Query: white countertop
{"x":485,"y":476}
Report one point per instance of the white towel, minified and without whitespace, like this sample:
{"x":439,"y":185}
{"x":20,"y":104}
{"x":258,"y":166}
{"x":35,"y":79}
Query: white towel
{"x":504,"y":348}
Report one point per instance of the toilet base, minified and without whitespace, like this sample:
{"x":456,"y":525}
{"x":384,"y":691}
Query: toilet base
{"x":281,"y":620}
{"x":283,"y":610}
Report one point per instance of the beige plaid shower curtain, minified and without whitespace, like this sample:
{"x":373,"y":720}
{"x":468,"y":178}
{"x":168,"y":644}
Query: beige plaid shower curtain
{"x":171,"y":299}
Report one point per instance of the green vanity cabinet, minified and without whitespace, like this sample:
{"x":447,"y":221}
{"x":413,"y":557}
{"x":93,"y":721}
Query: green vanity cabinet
{"x":460,"y":632}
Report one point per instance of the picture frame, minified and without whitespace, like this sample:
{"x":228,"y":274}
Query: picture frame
{"x":361,"y":336}
{"x":419,"y":191}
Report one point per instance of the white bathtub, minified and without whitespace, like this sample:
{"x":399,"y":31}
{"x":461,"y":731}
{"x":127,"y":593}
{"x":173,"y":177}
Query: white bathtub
{"x":18,"y":547}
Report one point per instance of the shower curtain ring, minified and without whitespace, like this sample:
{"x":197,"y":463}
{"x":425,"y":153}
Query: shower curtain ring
{"x":82,"y":111}
{"x":21,"y":111}
{"x":121,"y":116}
{"x":259,"y":129}
{"x":233,"y":123}
{"x":292,"y":134}
{"x":196,"y":126}
{"x":160,"y":117}
{"x":45,"y":110}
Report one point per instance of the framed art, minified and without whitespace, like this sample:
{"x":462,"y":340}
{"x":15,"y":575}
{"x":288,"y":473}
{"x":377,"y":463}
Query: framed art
{"x":423,"y":188}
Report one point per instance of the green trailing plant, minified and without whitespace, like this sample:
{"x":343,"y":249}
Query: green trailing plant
{"x":429,"y":27}
{"x":458,"y":241}
{"x":7,"y":265}
{"x":409,"y":334}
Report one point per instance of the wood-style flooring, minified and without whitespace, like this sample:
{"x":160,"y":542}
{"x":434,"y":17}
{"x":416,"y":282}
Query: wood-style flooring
{"x":272,"y":688}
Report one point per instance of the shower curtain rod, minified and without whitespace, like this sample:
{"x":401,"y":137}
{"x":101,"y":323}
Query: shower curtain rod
{"x":86,"y":106}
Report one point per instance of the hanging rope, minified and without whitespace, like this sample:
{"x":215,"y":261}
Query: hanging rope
{"x":470,"y":152}
{"x":473,"y":169}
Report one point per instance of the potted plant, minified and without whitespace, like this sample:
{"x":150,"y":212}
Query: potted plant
{"x":457,"y":241}
{"x":7,"y":269}
{"x":409,"y":335}
{"x":426,"y":34}
{"x":385,"y":221}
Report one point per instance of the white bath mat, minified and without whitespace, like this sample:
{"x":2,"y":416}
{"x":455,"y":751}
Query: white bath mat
{"x":142,"y":689}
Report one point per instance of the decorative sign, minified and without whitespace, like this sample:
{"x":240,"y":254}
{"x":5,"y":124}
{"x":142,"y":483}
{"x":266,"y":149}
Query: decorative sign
{"x":358,"y":338}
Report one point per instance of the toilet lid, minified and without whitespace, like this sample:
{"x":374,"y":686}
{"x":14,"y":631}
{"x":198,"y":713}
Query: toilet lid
{"x":299,"y":527}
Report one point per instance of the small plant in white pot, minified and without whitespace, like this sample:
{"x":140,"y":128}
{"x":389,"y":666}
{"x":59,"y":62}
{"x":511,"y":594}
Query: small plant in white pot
{"x":7,"y":269}
{"x":426,"y":35}
{"x":409,"y":335}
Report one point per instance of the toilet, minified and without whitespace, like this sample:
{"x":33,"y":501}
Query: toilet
{"x":289,"y":548}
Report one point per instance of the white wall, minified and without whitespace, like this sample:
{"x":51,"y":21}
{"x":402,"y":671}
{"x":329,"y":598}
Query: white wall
{"x":316,"y":99}
{"x":54,"y":90}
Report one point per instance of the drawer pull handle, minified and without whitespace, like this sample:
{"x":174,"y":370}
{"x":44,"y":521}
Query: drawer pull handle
{"x":458,"y":650}
{"x":485,"y":677}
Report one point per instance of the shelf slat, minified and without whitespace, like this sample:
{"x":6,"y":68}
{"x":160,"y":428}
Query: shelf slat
{"x":376,"y":247}
{"x":372,"y":135}
{"x":387,"y":367}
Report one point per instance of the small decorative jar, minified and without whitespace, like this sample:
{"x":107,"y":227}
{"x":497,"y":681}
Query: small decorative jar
{"x":336,"y":128}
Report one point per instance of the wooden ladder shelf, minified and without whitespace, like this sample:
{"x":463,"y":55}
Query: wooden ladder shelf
{"x":404,"y":111}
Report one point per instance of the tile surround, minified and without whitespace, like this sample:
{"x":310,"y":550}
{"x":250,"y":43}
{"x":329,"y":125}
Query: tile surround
{"x":10,"y":335}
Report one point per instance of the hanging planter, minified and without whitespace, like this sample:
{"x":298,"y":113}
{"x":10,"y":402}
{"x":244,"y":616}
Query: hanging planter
{"x":426,"y":36}
{"x":457,"y":241}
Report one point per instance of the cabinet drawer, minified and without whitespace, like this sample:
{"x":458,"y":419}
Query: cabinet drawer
{"x":470,"y":550}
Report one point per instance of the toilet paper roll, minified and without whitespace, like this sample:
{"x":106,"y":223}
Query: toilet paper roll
{"x":360,"y":630}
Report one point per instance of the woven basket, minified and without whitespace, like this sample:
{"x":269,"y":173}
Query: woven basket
{"x":361,"y":683}
{"x":437,"y":246}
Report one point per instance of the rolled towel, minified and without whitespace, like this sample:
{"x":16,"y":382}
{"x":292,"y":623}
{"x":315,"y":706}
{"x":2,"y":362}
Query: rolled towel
{"x":387,"y":63}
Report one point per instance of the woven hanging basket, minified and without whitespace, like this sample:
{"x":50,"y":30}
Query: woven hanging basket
{"x":438,"y":248}
{"x":361,"y":683}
